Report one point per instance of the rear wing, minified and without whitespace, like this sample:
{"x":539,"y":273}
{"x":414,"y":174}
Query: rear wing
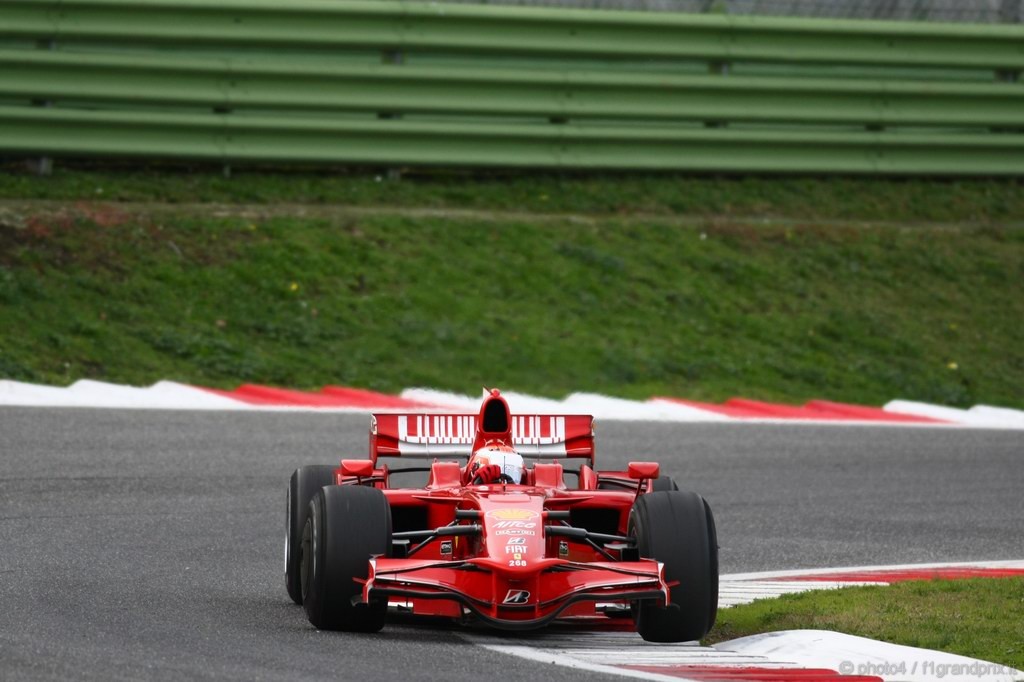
{"x":452,"y":435}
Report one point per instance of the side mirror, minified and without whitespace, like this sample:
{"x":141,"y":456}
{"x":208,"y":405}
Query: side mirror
{"x":641,"y":470}
{"x":360,"y":468}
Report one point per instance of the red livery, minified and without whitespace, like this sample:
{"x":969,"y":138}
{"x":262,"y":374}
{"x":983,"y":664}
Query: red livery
{"x":505,"y":539}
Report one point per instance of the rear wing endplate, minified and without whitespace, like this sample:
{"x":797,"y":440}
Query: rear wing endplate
{"x":452,"y":435}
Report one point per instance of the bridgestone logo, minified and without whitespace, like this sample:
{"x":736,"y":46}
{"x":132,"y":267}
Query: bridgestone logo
{"x":517,"y":597}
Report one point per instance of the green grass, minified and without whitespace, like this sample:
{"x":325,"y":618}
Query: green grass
{"x":634,"y":299}
{"x":979,"y":617}
{"x":901,"y":200}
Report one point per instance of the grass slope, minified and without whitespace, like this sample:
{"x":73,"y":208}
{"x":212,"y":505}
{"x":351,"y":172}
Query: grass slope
{"x":631,"y":286}
{"x":980,"y":617}
{"x":857,"y":199}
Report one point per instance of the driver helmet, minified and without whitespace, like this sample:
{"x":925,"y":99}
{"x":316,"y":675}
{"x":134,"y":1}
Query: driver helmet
{"x":492,"y":463}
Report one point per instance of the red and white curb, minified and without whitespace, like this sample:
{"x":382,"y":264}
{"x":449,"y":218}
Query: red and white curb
{"x":796,"y":655}
{"x":172,"y":395}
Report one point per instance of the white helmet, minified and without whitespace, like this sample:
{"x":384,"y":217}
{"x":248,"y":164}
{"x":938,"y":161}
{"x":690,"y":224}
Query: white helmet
{"x":507,"y":461}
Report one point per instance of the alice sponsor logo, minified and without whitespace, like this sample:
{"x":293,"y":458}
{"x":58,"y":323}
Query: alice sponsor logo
{"x":513,"y":524}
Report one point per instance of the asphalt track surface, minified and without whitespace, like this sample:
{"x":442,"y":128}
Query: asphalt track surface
{"x":148,"y":544}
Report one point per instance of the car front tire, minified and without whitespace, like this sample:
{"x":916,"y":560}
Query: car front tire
{"x":345,"y":526}
{"x":677,"y":528}
{"x":304,"y":483}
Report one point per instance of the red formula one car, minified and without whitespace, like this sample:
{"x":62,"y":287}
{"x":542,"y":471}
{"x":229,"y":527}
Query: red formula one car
{"x":498,"y":540}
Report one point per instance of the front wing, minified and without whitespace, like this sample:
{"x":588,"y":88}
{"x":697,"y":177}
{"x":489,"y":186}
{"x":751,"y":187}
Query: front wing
{"x":514,"y":600}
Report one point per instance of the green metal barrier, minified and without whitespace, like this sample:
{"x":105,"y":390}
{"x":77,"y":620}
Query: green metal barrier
{"x":478,"y":29}
{"x":485,"y":86}
{"x":285,"y":139}
{"x":239,"y":83}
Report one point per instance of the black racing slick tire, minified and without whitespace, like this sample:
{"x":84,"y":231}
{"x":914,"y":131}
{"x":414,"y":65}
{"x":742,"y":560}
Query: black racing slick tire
{"x":677,"y":528}
{"x":345,"y":526}
{"x":662,"y":483}
{"x":713,"y":546}
{"x":304,"y":483}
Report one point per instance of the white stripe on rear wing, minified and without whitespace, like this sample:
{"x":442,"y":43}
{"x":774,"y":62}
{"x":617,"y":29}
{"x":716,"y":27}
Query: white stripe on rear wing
{"x":452,"y":435}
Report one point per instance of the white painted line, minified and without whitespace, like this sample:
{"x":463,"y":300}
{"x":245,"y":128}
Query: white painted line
{"x":429,"y":395}
{"x":852,"y":655}
{"x":544,"y":656}
{"x":769,"y":575}
{"x":737,"y":592}
{"x":523,"y":403}
{"x":607,"y":651}
{"x":1002,"y":415}
{"x":979,"y":416}
{"x":600,"y":406}
{"x":87,"y":393}
{"x":171,"y":395}
{"x":606,"y":407}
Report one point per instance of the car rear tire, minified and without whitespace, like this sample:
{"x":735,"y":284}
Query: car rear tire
{"x":713,"y":547}
{"x":304,"y":483}
{"x":345,"y":526}
{"x":662,"y":483}
{"x":677,"y":528}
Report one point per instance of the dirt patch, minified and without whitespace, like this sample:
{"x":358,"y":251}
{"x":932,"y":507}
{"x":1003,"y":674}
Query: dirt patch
{"x":117,"y":213}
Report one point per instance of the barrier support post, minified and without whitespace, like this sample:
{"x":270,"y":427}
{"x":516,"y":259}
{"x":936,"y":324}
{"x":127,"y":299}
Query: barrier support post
{"x":42,"y":165}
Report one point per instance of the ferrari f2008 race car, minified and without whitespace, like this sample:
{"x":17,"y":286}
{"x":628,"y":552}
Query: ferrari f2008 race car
{"x":504,"y":539}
